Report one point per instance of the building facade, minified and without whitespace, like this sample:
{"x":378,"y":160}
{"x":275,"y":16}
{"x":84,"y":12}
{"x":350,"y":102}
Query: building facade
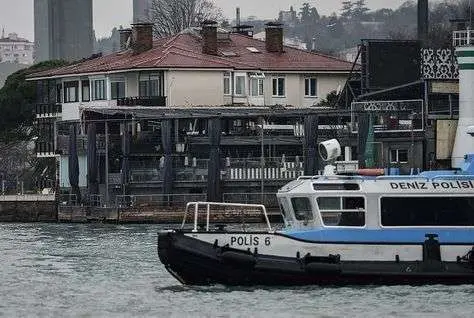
{"x":176,"y":85}
{"x":14,"y":49}
{"x":63,"y":29}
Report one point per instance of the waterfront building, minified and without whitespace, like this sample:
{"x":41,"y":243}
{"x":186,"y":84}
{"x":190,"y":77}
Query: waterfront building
{"x":63,"y":29}
{"x":191,"y":76}
{"x":14,"y":49}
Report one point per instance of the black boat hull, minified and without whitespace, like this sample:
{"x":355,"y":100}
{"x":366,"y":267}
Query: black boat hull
{"x":195,"y":262}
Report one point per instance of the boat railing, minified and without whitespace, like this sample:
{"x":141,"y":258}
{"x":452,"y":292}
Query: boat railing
{"x":398,"y":177}
{"x":209,"y":206}
{"x":331,"y":177}
{"x":453,"y":177}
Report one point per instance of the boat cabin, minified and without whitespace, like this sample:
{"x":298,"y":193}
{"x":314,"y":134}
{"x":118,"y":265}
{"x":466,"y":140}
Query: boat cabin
{"x":376,"y":203}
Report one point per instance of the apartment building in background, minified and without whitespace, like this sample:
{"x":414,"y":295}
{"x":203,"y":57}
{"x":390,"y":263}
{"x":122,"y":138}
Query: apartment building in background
{"x":15,"y":49}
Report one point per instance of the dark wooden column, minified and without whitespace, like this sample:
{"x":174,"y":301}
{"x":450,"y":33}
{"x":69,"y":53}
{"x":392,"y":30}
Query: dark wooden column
{"x":311,"y":160}
{"x":167,"y":143}
{"x":74,"y":163}
{"x":363,"y":131}
{"x":214,"y":170}
{"x":92,"y":183}
{"x":125,"y":158}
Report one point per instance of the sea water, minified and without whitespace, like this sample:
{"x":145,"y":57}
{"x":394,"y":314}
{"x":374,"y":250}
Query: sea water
{"x":95,"y":270}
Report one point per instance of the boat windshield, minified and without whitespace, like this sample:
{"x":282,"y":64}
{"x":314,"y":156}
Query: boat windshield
{"x":302,"y":208}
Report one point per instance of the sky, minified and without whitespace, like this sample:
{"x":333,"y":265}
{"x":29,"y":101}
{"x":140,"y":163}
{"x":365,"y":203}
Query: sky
{"x":17,"y":15}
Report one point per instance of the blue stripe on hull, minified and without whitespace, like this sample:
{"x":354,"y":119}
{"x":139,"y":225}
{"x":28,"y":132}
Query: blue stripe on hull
{"x":413,"y":236}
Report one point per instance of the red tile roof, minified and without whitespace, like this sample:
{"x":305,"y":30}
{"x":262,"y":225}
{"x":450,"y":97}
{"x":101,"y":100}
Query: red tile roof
{"x":185,"y":51}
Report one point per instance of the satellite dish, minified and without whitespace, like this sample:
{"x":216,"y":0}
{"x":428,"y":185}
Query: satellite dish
{"x":329,"y":149}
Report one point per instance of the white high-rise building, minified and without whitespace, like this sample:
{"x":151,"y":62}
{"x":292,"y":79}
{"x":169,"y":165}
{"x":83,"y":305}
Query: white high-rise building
{"x":141,"y":10}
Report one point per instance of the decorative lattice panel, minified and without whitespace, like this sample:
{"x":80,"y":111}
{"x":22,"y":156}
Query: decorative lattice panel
{"x":439,"y":64}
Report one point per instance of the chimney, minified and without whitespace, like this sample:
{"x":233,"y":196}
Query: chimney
{"x":125,"y":38}
{"x":274,"y":37}
{"x":142,"y":37}
{"x":209,"y":37}
{"x":423,"y":21}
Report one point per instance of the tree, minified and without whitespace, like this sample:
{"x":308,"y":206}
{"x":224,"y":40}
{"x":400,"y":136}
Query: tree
{"x":359,"y":9}
{"x":347,"y":9}
{"x":17,"y":99}
{"x":330,"y":100}
{"x":172,"y":16}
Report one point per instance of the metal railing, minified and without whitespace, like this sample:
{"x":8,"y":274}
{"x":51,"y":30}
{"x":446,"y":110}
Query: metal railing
{"x":208,"y":205}
{"x":142,"y":101}
{"x":89,"y":200}
{"x":463,"y":38}
{"x":171,"y":200}
{"x":43,"y":110}
{"x":267,"y":199}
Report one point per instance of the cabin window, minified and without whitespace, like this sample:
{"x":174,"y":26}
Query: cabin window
{"x":336,"y":186}
{"x":342,"y":211}
{"x":302,"y":208}
{"x":427,"y":211}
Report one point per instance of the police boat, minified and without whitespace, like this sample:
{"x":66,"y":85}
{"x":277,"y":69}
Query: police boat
{"x":338,"y":230}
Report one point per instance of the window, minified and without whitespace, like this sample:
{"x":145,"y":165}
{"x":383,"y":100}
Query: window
{"x":117,"y":89}
{"x":427,"y":211}
{"x":86,"y":90}
{"x":256,"y":87}
{"x":71,"y":90}
{"x":342,"y":211}
{"x":398,"y":155}
{"x":239,"y":85}
{"x":99,"y":89}
{"x":302,"y":208}
{"x":227,"y":83}
{"x":279,"y":86}
{"x":150,"y":85}
{"x":310,"y":87}
{"x":59,"y":93}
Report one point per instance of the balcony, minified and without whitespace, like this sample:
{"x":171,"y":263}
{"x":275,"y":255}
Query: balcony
{"x":48,"y":110}
{"x":159,"y":101}
{"x":44,"y":149}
